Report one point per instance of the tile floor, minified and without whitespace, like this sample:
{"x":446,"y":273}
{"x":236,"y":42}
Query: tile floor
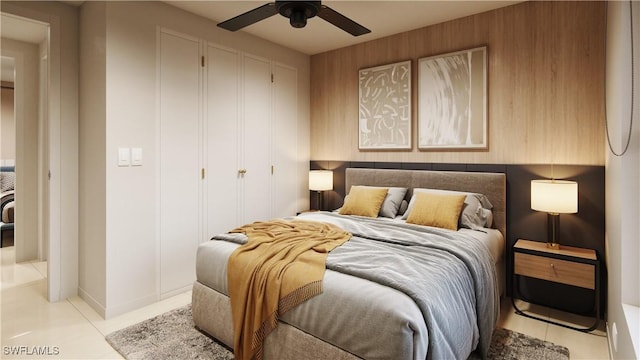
{"x":70,"y":329}
{"x":591,"y":346}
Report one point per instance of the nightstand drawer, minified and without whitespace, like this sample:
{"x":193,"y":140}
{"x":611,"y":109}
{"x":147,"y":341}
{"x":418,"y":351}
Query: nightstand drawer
{"x":561,"y":271}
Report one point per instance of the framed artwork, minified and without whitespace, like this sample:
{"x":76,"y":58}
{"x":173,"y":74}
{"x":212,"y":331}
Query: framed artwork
{"x":452,"y":101}
{"x":385,"y":107}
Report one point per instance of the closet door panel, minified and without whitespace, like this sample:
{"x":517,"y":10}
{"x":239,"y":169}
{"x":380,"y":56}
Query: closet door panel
{"x":222,"y":140}
{"x":256,"y":139}
{"x":285,"y":181}
{"x":180,"y":156}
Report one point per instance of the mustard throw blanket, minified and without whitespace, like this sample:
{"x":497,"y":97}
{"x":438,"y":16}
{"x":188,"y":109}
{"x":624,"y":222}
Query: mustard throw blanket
{"x":281,"y":265}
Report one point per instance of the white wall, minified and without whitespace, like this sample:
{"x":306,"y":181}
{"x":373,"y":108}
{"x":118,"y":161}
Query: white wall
{"x":127,"y":51}
{"x":622,"y":180}
{"x":92,"y":178}
{"x":63,"y":132}
{"x":131,"y":191}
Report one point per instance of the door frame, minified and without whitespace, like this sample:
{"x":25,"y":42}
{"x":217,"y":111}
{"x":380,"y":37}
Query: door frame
{"x":61,"y":282}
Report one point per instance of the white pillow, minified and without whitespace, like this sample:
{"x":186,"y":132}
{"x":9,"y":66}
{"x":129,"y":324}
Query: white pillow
{"x":476,"y":211}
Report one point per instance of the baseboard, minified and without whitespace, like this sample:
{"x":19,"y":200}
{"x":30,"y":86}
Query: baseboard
{"x":93,"y":303}
{"x":632,"y":313}
{"x":179,"y":291}
{"x":112,"y":311}
{"x":609,"y":340}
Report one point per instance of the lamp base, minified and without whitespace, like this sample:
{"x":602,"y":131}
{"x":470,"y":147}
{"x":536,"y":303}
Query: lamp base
{"x":320,"y":201}
{"x":553,"y":225}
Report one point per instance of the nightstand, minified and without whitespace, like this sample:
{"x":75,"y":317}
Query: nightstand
{"x":567,"y":265}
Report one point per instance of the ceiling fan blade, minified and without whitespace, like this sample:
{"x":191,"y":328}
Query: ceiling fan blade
{"x":250,"y":17}
{"x":342,"y":21}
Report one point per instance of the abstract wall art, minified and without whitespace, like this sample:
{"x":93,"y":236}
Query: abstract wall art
{"x":385,"y":107}
{"x":452,"y":101}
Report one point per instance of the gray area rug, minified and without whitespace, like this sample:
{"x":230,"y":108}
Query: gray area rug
{"x":173,"y":335}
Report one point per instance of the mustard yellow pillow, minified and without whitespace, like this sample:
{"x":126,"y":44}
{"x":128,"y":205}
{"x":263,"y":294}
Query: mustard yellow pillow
{"x":437,"y":210}
{"x":364,"y":201}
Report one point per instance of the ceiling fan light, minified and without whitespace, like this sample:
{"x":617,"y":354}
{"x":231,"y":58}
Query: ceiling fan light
{"x":298,"y":18}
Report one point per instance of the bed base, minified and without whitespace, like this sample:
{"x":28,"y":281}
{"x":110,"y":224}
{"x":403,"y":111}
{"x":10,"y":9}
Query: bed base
{"x":212,"y":314}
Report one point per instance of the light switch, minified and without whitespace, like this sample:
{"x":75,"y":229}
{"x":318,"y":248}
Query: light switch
{"x":124,"y":157}
{"x":136,"y":156}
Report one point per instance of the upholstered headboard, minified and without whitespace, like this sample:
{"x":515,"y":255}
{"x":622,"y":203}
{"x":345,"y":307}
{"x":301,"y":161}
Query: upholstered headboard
{"x":493,"y":185}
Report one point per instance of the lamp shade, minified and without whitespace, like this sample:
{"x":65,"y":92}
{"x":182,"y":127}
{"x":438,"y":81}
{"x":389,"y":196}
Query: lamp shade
{"x":554,"y":196}
{"x":320,"y":180}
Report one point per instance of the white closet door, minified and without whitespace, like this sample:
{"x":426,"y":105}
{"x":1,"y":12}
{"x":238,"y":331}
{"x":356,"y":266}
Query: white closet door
{"x":285,"y":180}
{"x":222,"y":213}
{"x":256,"y":115}
{"x":180,"y":156}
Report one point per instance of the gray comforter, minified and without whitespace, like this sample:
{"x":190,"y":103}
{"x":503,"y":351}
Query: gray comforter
{"x":450,"y":276}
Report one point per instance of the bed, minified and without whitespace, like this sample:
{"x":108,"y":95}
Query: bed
{"x":362,"y":316}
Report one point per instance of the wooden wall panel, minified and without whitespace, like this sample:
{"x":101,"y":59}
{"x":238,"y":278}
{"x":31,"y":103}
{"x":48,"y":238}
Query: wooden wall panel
{"x":545,"y":85}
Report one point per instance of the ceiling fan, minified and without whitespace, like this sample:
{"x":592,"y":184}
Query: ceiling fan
{"x":298,"y":12}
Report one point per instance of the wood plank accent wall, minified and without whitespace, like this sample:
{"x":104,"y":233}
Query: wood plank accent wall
{"x":545,"y":85}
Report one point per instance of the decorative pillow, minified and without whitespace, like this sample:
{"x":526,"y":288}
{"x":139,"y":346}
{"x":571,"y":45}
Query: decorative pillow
{"x":392,"y":202}
{"x":438,"y":210}
{"x":8,"y":213}
{"x":474,"y":216}
{"x":476,"y":212}
{"x":403,"y":208}
{"x":7,"y":181}
{"x":363,"y":201}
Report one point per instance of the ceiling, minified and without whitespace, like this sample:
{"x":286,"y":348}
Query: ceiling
{"x":383,"y":18}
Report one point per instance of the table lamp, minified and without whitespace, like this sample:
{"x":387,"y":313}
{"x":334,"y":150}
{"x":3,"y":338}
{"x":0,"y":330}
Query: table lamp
{"x":319,"y":181}
{"x":554,"y":197}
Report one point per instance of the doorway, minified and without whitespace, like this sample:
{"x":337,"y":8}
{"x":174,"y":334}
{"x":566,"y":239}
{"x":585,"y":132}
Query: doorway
{"x":7,"y":151}
{"x":25,"y":45}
